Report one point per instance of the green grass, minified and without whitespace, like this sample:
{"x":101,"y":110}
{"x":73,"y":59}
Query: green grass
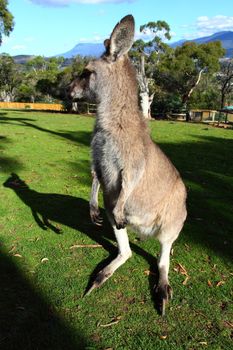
{"x":41,"y":303}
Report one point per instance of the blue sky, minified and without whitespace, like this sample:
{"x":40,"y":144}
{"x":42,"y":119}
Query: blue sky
{"x":50,"y":27}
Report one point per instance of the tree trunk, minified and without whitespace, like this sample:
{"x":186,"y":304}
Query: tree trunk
{"x":144,"y":104}
{"x":223,"y":98}
{"x":145,"y":98}
{"x":187,"y":96}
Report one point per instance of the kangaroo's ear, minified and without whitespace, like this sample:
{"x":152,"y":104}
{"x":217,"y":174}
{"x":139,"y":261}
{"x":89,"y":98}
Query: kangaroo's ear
{"x":122,"y":37}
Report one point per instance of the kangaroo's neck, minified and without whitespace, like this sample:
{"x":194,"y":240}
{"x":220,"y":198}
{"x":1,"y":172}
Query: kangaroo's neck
{"x":119,"y":102}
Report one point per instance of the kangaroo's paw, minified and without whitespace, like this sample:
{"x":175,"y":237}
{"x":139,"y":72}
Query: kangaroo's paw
{"x":95,"y":215}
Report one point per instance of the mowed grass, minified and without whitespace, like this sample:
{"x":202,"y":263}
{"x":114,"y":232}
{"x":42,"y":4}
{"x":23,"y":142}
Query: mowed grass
{"x":44,"y":274}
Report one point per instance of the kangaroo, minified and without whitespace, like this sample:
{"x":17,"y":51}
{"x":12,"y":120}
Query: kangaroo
{"x":141,"y":187}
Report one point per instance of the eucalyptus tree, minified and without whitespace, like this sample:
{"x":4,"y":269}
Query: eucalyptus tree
{"x":6,"y":20}
{"x":10,"y":78}
{"x":225,"y":80}
{"x":181,"y":71}
{"x":146,"y":55}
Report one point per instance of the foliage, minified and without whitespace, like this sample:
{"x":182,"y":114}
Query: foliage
{"x":25,"y":93}
{"x":207,"y":94}
{"x":145,"y":56}
{"x":9,"y":78}
{"x":6,"y":19}
{"x":225,"y":80}
{"x":180,"y":71}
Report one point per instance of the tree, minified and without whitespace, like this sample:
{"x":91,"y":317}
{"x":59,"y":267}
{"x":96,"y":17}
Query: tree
{"x":145,"y":55}
{"x":10,"y":78}
{"x":41,"y":75}
{"x":25,"y":92}
{"x":206,"y":94}
{"x":6,"y":20}
{"x":59,"y":88}
{"x":225,"y":80}
{"x":181,"y":70}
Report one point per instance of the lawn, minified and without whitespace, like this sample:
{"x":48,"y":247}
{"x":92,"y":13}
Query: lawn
{"x":50,"y":250}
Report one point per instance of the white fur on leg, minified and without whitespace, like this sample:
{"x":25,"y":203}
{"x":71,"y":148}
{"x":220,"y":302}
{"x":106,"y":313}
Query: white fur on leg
{"x":164,"y":261}
{"x":124,"y":253}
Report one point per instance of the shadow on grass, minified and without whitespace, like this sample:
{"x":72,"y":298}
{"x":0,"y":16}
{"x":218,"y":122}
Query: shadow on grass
{"x":7,"y":164}
{"x":207,"y":169}
{"x":82,"y":137}
{"x":27,"y":321}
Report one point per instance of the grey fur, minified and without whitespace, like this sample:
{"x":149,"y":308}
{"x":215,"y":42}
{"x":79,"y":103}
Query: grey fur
{"x":140,"y":185}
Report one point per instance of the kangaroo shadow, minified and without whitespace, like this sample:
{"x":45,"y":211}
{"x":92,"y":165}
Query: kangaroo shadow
{"x":73,"y":212}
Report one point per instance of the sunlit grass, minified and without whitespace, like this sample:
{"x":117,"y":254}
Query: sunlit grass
{"x":43,"y":275}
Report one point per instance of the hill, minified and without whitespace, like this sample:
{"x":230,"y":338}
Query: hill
{"x":96,"y":49}
{"x":22,"y":59}
{"x":84,"y":49}
{"x":225,"y":37}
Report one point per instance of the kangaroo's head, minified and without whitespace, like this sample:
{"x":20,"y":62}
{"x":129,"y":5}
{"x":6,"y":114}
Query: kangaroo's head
{"x":15,"y":182}
{"x":100,"y":76}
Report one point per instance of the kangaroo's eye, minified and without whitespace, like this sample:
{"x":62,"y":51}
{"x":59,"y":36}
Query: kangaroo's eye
{"x":86,"y":74}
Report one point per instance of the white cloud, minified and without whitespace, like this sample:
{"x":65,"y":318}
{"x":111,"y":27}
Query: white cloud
{"x":68,"y":2}
{"x":205,"y":26}
{"x":210,"y":25}
{"x":146,"y":35}
{"x":18,"y":47}
{"x":96,"y":38}
{"x":29,"y":39}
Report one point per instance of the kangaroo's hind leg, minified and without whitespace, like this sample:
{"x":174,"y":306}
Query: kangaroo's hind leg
{"x":163,"y":289}
{"x":124,"y":253}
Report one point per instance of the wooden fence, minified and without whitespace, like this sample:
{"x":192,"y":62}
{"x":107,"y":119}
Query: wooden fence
{"x":35,"y":106}
{"x":79,"y":107}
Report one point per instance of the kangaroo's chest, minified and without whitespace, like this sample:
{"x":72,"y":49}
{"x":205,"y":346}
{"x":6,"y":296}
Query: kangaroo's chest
{"x":107,"y":158}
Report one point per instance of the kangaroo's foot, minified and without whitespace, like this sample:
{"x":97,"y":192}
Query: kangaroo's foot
{"x":101,"y":277}
{"x":163,"y":294}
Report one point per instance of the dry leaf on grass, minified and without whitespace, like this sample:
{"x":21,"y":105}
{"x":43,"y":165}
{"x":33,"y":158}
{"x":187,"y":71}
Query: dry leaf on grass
{"x":17,"y":255}
{"x":114,"y":321}
{"x":220,"y":283}
{"x":187,"y":247}
{"x":182,"y":270}
{"x":185,"y":280}
{"x":86,"y":246}
{"x":148,"y":273}
{"x":209,"y":283}
{"x":228,"y":324}
{"x":163,"y":337}
{"x":12,"y":249}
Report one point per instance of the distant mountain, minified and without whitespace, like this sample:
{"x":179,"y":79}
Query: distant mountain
{"x":96,"y":49}
{"x":85,"y":49}
{"x":22,"y":59}
{"x":226,"y":39}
